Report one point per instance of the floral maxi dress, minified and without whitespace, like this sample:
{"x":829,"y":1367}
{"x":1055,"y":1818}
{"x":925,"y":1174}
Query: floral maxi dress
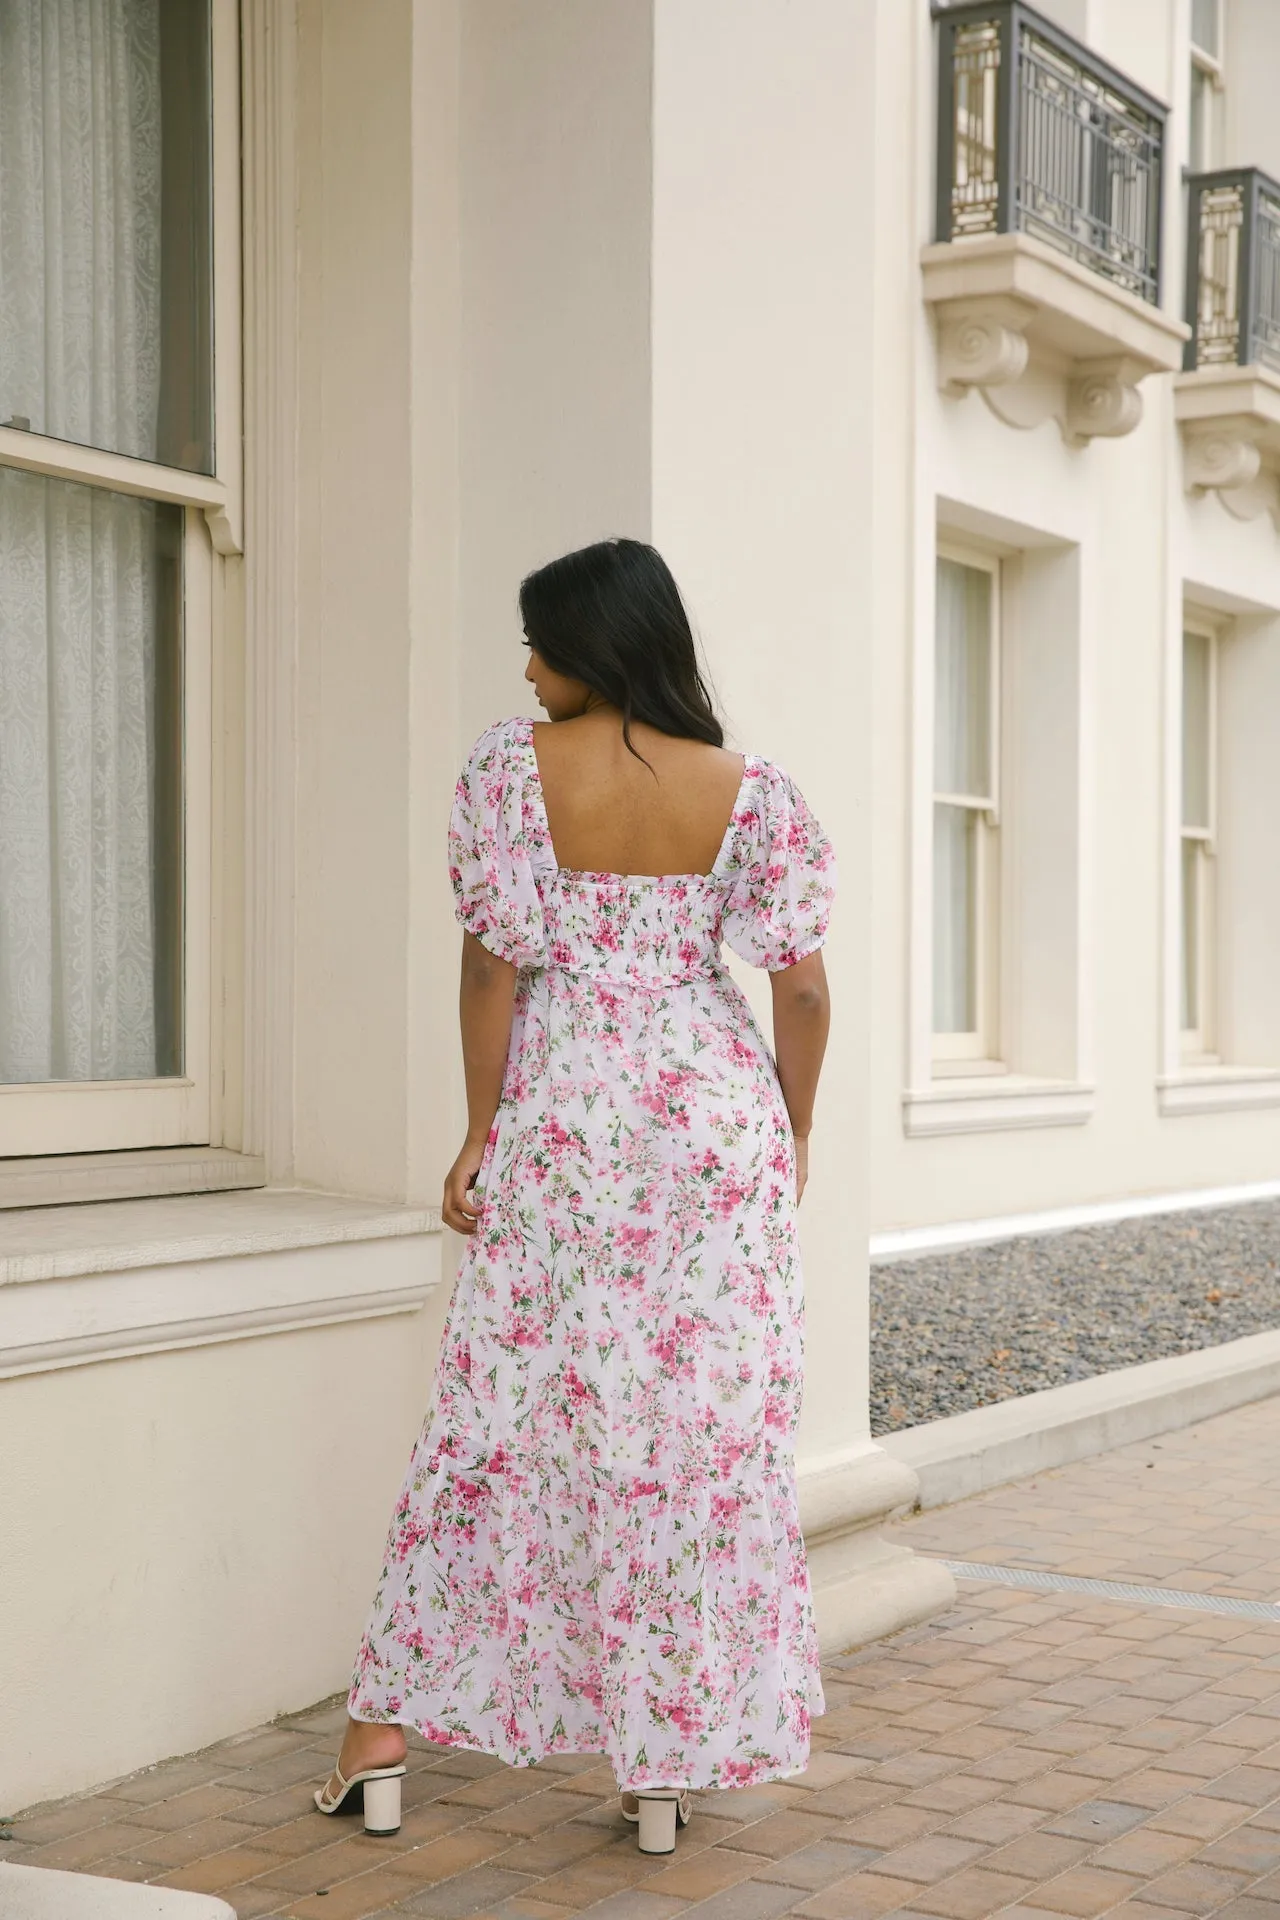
{"x":596,"y":1548}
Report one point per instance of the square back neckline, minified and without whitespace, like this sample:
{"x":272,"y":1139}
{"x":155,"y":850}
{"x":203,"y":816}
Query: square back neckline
{"x":651,"y":879}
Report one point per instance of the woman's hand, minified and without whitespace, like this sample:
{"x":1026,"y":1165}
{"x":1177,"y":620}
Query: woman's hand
{"x":802,"y":1165}
{"x":456,"y":1210}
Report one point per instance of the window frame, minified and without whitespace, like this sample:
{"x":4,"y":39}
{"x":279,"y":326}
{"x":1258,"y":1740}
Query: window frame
{"x":69,"y":1117}
{"x":1198,"y":1044}
{"x":977,"y":1051}
{"x":1207,"y":71}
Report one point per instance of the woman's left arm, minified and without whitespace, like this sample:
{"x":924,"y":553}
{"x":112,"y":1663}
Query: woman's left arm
{"x":486,"y":1000}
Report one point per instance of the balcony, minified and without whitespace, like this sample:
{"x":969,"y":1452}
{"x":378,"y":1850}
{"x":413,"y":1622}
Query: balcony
{"x":1228,"y":399}
{"x":1045,"y":272}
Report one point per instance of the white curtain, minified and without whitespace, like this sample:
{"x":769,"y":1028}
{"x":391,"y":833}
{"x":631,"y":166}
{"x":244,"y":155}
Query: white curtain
{"x":79,"y":359}
{"x":962,"y":767}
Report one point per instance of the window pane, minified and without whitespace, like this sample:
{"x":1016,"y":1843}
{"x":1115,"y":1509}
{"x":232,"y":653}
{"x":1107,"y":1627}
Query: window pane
{"x":105,"y":225}
{"x":1204,"y":26}
{"x":1190,"y":935}
{"x":962,"y":690}
{"x":1200,"y":133}
{"x":90,"y":783}
{"x":1197,"y":718}
{"x":955,"y":920}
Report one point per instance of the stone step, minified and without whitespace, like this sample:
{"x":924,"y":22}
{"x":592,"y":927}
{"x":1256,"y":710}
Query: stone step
{"x":40,"y":1893}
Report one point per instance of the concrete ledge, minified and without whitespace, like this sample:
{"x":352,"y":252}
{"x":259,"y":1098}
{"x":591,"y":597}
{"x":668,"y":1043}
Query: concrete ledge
{"x":40,"y":1893}
{"x":991,"y":1446}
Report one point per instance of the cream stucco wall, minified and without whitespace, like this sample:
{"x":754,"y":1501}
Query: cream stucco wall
{"x":190,"y":1540}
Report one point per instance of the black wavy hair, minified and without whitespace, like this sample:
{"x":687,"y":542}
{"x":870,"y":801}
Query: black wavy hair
{"x":611,"y":615}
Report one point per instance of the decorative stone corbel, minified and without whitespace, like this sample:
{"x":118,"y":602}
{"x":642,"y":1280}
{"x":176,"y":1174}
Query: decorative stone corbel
{"x":1102,"y":399}
{"x":1042,"y":336}
{"x":1230,"y":421}
{"x":982,"y":343}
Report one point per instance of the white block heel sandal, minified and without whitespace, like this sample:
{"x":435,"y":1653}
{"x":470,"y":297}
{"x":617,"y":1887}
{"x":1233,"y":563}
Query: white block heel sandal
{"x":380,"y":1790}
{"x":657,"y":1815}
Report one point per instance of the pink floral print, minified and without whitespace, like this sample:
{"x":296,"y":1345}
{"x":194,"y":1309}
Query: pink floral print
{"x":597,"y":1547}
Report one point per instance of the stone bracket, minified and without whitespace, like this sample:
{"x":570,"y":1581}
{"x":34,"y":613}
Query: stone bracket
{"x":1042,"y":337}
{"x":1230,"y":458}
{"x":984,"y":344}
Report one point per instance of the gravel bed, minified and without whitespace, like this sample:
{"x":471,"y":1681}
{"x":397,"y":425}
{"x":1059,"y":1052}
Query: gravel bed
{"x":957,"y":1330}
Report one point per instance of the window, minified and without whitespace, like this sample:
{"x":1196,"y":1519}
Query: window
{"x":110,"y":484}
{"x":1206,"y":86}
{"x":966,"y":860}
{"x":1197,"y":915}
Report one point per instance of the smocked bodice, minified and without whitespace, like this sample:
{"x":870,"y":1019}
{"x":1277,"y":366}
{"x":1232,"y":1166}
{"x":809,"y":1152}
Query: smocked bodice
{"x":768,"y":895}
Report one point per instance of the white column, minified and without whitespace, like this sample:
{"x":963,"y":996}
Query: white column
{"x":764,"y":501}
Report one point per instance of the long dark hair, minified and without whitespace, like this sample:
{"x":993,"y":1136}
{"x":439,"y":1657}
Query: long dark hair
{"x":611,"y":615}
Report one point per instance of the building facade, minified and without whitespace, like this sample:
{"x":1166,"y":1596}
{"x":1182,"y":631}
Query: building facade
{"x":1075,"y":904}
{"x":876,"y":325}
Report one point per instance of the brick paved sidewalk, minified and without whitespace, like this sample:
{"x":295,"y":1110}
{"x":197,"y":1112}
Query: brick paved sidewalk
{"x":1029,"y":1755}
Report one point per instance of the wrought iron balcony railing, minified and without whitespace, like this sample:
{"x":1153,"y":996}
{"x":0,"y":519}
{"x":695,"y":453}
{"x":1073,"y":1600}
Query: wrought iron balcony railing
{"x":1233,"y":270}
{"x":1038,"y":136}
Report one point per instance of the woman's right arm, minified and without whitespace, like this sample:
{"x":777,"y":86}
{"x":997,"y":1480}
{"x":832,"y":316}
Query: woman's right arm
{"x":486,"y":1001}
{"x":801,"y":1020}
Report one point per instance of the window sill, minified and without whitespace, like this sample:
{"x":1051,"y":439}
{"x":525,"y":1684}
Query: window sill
{"x":101,"y":1282}
{"x":988,"y":1104}
{"x":1217,"y":1089}
{"x":63,"y":1179}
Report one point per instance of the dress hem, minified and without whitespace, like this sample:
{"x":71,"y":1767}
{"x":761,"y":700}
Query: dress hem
{"x":759,"y":1778}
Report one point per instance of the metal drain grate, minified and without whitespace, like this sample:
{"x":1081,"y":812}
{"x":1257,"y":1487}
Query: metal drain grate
{"x":1112,"y":1590}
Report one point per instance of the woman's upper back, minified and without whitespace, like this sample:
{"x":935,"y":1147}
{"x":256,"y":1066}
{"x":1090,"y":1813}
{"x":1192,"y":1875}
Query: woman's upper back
{"x":609,"y":812}
{"x":755,"y":868}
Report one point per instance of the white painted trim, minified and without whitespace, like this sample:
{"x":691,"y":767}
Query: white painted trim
{"x":100,"y":1282}
{"x":120,"y":472}
{"x":1217,"y":1090}
{"x":990,"y":1103}
{"x":116,"y":1236}
{"x":66,"y":1179}
{"x":991,"y":1446}
{"x":910,"y":1242}
{"x":269,"y":107}
{"x":226,"y":522}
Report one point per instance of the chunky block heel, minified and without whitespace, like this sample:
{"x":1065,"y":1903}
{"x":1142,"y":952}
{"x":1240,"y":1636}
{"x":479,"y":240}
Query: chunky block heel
{"x":382,"y":1805}
{"x":658,"y":1813}
{"x":379,"y":1795}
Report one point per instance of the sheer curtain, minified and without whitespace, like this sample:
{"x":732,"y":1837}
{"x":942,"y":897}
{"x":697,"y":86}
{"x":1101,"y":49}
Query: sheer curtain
{"x":79,"y":359}
{"x":962,"y":770}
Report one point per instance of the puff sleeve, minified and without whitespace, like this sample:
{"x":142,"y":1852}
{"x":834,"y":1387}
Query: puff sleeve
{"x":780,"y":904}
{"x":490,"y":855}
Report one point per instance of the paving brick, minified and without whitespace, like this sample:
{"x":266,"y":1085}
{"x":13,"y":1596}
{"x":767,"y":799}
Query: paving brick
{"x":472,"y":1892}
{"x":1195,"y":1887}
{"x":174,"y":1849}
{"x":369,"y":1894}
{"x":751,"y":1900}
{"x":890,"y":1826}
{"x":973,"y":1894}
{"x":928,"y":1860}
{"x":814,"y":1867}
{"x":864,"y":1896}
{"x":1037,"y":1856}
{"x":784,"y":1833}
{"x":90,"y":1844}
{"x":1096,"y":1820}
{"x":1083,"y":1891}
{"x":1249,"y":1849}
{"x":700,"y":1875}
{"x":216,"y":1871}
{"x":1203,"y":1817}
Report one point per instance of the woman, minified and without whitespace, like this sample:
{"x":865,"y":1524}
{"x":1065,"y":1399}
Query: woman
{"x":596,"y":1548}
